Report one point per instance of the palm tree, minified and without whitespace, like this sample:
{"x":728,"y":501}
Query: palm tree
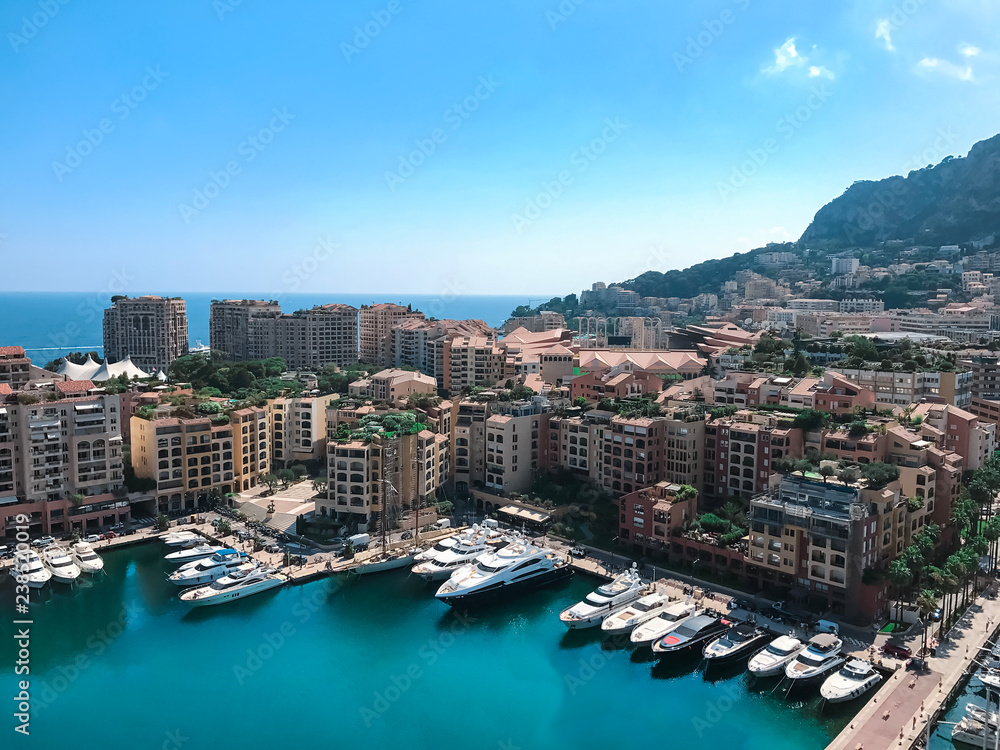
{"x":731,"y":511}
{"x":926,"y":603}
{"x":901,"y":577}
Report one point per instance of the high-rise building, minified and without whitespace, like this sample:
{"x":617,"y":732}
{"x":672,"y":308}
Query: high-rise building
{"x":236,"y":328}
{"x":327,"y":334}
{"x":375,"y":326}
{"x":152,"y":331}
{"x":15,"y":367}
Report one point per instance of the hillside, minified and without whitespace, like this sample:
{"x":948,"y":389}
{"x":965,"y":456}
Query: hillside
{"x":955,"y":201}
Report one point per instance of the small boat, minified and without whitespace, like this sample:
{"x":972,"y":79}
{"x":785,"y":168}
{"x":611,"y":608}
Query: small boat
{"x":60,"y":565}
{"x":86,"y":559}
{"x":180,"y":539}
{"x":389,"y":560}
{"x":28,"y":570}
{"x":198,"y":552}
{"x":771,"y":660}
{"x":604,"y":601}
{"x":220,"y":564}
{"x":237,"y":585}
{"x":634,"y":615}
{"x":977,"y":728}
{"x":853,"y":680}
{"x":669,"y":619}
{"x":821,"y":656}
{"x":694,"y":632}
{"x":735,"y":643}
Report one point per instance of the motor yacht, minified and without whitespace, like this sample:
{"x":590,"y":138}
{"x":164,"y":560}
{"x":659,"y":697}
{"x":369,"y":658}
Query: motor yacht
{"x":821,"y":656}
{"x":634,"y":615}
{"x":60,"y":564}
{"x":854,"y":679}
{"x":178,"y":539}
{"x":198,"y":552}
{"x":604,"y":601}
{"x":691,"y":633}
{"x":209,"y":569}
{"x":977,"y":728}
{"x":518,"y":566}
{"x":666,"y":621}
{"x":386,"y":560}
{"x":238,"y":584}
{"x":492,"y":536}
{"x":464,"y":551}
{"x":771,"y":660}
{"x":739,"y":641}
{"x":441,"y":546}
{"x":86,"y":559}
{"x":28,"y":570}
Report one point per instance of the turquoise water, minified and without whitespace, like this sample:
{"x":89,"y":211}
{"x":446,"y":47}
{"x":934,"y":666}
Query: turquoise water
{"x":119,"y":663}
{"x":50,"y":324}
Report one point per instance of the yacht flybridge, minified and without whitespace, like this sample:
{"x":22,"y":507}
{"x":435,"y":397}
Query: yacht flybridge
{"x":853,"y":680}
{"x":771,"y":660}
{"x":60,"y":565}
{"x":665,"y":622}
{"x":28,"y":569}
{"x":635,"y":614}
{"x":210,"y":569}
{"x":604,"y":601}
{"x":236,"y":585}
{"x":86,"y":559}
{"x":466,"y":549}
{"x":821,"y":656}
{"x":518,"y":566}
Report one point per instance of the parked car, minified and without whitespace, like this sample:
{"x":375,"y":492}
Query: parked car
{"x":742,"y":604}
{"x":43,"y":541}
{"x":578,"y":551}
{"x":896,"y":649}
{"x":118,"y":526}
{"x":272,"y":547}
{"x":108,"y":535}
{"x":92,"y":538}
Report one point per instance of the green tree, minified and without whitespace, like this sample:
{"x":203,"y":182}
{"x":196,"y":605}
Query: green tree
{"x":270,"y":480}
{"x":900,"y":577}
{"x":285,"y":476}
{"x":162,"y":522}
{"x":878,"y":474}
{"x":580,"y":401}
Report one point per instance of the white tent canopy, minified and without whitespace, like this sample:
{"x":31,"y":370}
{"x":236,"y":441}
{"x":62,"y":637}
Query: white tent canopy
{"x":74,"y":371}
{"x":106,"y":371}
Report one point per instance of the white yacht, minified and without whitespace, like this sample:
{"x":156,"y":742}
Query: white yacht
{"x":237,"y":585}
{"x":977,"y":728}
{"x":604,"y":601}
{"x":388,"y":560}
{"x":821,"y":656}
{"x":86,"y":559}
{"x":443,"y":545}
{"x":60,"y":565}
{"x":668,"y":620}
{"x":771,"y":660}
{"x":490,"y":534}
{"x":466,"y":549}
{"x":735,"y":643}
{"x":198,"y":552}
{"x":519,"y":565}
{"x":28,"y":569}
{"x":210,"y":569}
{"x":634,"y":615}
{"x":179,"y":539}
{"x":853,"y":680}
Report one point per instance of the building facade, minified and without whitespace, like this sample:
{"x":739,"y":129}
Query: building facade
{"x":152,"y":331}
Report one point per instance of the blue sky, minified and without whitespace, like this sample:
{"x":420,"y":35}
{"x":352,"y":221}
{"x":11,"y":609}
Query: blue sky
{"x":449,"y":147}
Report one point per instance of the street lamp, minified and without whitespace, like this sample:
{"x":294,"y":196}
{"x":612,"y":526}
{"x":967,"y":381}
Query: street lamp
{"x":614,"y":541}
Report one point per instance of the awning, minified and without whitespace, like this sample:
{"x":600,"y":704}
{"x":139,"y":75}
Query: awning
{"x":523,"y":514}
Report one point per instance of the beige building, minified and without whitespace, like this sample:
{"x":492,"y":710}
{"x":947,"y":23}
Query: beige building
{"x":189,"y":458}
{"x":15,"y":367}
{"x":298,"y":428}
{"x":393,"y":385}
{"x":469,"y":444}
{"x":322,"y":335}
{"x":515,"y":449}
{"x":375,"y":326}
{"x":239,"y":328}
{"x":471,"y":361}
{"x":56,"y":444}
{"x":153,"y":331}
{"x":546,"y":320}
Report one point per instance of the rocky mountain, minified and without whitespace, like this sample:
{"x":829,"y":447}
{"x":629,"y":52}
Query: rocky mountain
{"x":955,"y":201}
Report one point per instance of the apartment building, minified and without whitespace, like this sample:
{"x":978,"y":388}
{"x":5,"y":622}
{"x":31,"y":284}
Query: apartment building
{"x":843,"y":265}
{"x":516,"y":447}
{"x":752,"y":389}
{"x":837,"y":394}
{"x":298,"y":428}
{"x":632,"y":454}
{"x":866,"y":305}
{"x":61,"y":459}
{"x":421,"y":343}
{"x":615,"y":383}
{"x":191,"y":458}
{"x":15,"y":367}
{"x":243,"y":329}
{"x":152,"y":331}
{"x":575,"y":444}
{"x":546,"y":320}
{"x":470,"y":361}
{"x":905,"y":388}
{"x":393,"y":385}
{"x":814,"y":305}
{"x":959,"y":431}
{"x":375,"y":326}
{"x":469,"y":449}
{"x":985,"y":377}
{"x":827,"y":323}
{"x":650,"y":515}
{"x":740,"y":451}
{"x":322,"y":335}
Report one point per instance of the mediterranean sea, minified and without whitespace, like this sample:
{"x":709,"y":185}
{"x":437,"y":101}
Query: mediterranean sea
{"x":118,"y":663}
{"x":50,"y":324}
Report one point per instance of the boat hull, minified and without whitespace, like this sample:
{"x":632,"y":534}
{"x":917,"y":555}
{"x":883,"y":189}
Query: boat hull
{"x":383,"y":565}
{"x":230,"y":596}
{"x":484,"y":596}
{"x":736,"y":654}
{"x":441,"y":574}
{"x":838,"y":696}
{"x":810,"y":679}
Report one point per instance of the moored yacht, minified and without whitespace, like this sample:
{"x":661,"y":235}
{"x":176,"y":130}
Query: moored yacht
{"x":771,"y":660}
{"x":237,"y":585}
{"x":464,"y":551}
{"x":977,"y":728}
{"x":86,"y":559}
{"x":386,"y":560}
{"x":854,"y":679}
{"x":604,"y":601}
{"x":60,"y":565}
{"x":635,"y":614}
{"x":691,"y":633}
{"x":198,"y":552}
{"x":735,"y":643}
{"x":518,"y":566}
{"x":182,"y":539}
{"x":210,"y":569}
{"x":821,"y":656}
{"x":28,"y":570}
{"x":666,"y":621}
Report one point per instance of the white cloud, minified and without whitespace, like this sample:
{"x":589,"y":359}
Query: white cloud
{"x":819,"y":71}
{"x":785,"y":57}
{"x":883,"y":31}
{"x":968,"y":50}
{"x":946,"y":68}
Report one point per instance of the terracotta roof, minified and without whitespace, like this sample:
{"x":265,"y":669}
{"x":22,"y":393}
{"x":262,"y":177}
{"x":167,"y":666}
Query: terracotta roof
{"x":5,"y":390}
{"x":73,"y":386}
{"x":11,"y":351}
